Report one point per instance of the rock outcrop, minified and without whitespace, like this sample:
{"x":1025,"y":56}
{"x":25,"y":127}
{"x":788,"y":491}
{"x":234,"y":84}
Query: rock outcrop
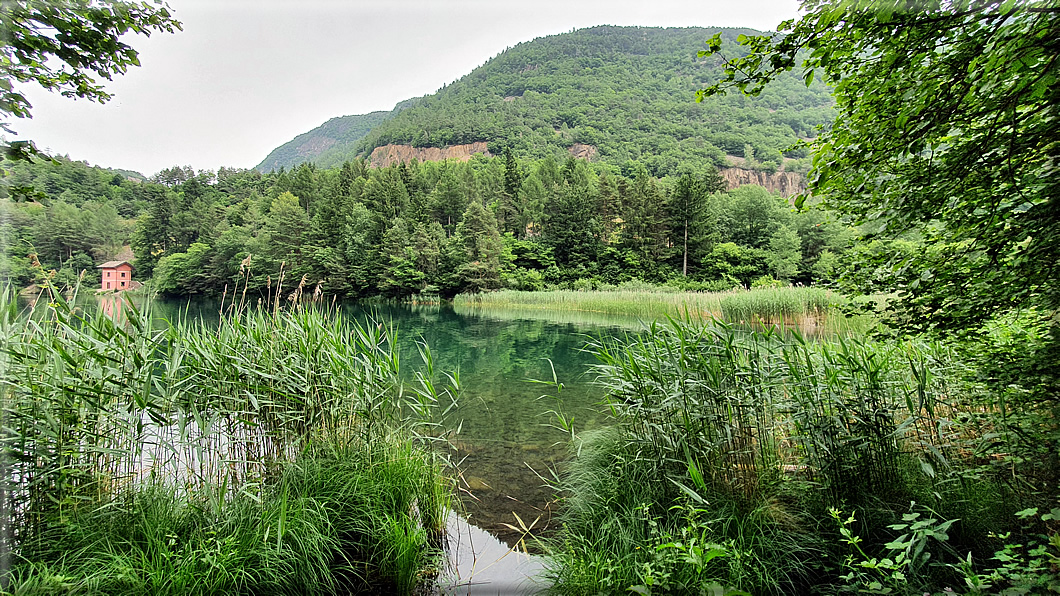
{"x":388,"y":154}
{"x":785,"y":183}
{"x":579,"y":151}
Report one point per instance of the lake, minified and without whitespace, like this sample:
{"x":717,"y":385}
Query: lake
{"x":504,"y":442}
{"x":502,"y":439}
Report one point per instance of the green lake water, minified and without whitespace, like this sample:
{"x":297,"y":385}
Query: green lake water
{"x":504,"y":440}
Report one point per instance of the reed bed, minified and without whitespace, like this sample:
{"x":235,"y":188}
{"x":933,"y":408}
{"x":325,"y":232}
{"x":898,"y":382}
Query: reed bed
{"x":789,"y":305}
{"x":572,"y":317}
{"x":779,"y":305}
{"x":644,"y":304}
{"x":738,"y":441}
{"x":279,"y":446}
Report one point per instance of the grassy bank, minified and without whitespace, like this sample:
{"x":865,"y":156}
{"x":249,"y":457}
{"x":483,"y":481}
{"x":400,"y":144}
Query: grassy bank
{"x":765,"y":463}
{"x":790,"y":305}
{"x":269,"y":452}
{"x":336,"y":520}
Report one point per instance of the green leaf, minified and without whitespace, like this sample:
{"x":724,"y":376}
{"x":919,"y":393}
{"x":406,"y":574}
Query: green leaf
{"x":927,"y":468}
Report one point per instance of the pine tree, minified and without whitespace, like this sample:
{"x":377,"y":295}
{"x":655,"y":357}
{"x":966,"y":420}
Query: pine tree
{"x":448,"y":201}
{"x":481,"y":248}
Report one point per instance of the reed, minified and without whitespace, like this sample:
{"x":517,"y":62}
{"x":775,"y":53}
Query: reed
{"x":742,"y":404}
{"x":326,"y":526}
{"x":779,"y":305}
{"x":641,"y":303}
{"x":788,"y":305}
{"x":250,"y":423}
{"x":757,"y":433}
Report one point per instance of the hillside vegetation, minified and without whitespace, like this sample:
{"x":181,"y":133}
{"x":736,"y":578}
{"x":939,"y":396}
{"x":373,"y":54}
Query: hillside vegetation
{"x":406,"y":229}
{"x":626,"y":91}
{"x":325,"y":145}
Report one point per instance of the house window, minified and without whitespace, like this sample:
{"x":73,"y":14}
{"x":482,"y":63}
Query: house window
{"x":123,"y":274}
{"x":109,"y":272}
{"x":123,"y":284}
{"x":108,"y":285}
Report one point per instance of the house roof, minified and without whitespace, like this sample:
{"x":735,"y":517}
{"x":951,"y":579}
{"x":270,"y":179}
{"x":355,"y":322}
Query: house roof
{"x":113,"y":264}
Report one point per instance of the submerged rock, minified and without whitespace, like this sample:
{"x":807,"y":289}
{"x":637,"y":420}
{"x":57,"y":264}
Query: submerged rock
{"x":476,"y":483}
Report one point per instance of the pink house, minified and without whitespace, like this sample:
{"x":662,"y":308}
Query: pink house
{"x":117,"y":275}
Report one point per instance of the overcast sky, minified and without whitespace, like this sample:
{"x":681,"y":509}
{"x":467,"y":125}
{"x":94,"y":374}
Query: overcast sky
{"x":245,"y":76}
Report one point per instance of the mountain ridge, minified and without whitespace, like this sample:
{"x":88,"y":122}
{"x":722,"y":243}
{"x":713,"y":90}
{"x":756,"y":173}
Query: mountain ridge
{"x":627,"y":91}
{"x":313,"y":145}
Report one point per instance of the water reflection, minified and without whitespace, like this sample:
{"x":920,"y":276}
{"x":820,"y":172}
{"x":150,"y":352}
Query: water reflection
{"x":505,"y":442}
{"x":480,"y":564}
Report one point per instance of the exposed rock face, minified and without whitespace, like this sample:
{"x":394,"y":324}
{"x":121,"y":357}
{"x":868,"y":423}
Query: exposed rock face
{"x":785,"y":183}
{"x":579,"y":151}
{"x":388,"y":154}
{"x":315,"y":146}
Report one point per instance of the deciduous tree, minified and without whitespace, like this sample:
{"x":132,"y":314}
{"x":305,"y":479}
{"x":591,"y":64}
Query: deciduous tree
{"x":64,"y":45}
{"x":948,"y":123}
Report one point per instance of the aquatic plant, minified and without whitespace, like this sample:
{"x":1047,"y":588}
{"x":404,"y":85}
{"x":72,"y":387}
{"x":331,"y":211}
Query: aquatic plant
{"x":293,"y":422}
{"x":779,"y":304}
{"x":758,"y":433}
{"x":332,"y":522}
{"x":787,"y":305}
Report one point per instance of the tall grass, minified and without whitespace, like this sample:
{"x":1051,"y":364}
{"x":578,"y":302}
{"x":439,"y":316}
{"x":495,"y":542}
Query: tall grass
{"x":779,"y":305}
{"x":287,"y":427}
{"x":790,"y":305}
{"x":743,"y":439}
{"x":646,"y":304}
{"x":336,"y":520}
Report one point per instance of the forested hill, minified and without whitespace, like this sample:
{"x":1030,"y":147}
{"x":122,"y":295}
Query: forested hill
{"x":327,"y":145}
{"x":626,"y":91}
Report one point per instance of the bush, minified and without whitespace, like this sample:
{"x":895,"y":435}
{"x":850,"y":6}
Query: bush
{"x":766,"y":282}
{"x":582,"y":285}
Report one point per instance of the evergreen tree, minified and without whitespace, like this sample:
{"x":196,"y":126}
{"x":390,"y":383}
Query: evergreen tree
{"x":571,"y":228}
{"x":281,"y":240}
{"x":427,"y":242}
{"x":689,"y":212}
{"x":399,"y":276}
{"x":153,"y":237}
{"x":479,"y":246}
{"x":305,"y":186}
{"x":643,"y":232}
{"x":448,"y":201}
{"x":362,"y":242}
{"x":508,"y":209}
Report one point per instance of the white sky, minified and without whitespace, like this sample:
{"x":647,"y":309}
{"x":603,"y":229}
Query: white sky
{"x":245,"y":76}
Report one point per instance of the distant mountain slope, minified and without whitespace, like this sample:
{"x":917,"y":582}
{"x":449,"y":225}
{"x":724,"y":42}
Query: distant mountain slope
{"x":625,"y":92}
{"x":336,"y":137}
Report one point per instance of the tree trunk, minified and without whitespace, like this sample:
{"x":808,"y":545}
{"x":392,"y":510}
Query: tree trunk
{"x":684,"y":264}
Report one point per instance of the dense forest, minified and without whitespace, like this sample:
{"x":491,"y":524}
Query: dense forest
{"x":646,"y":205}
{"x":438,"y":228}
{"x":623,"y":90}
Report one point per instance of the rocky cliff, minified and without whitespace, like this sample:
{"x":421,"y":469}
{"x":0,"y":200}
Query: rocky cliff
{"x":785,"y":183}
{"x":388,"y":154}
